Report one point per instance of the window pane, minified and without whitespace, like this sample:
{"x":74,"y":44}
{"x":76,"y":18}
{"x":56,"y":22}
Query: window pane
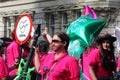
{"x":52,"y":19}
{"x":78,"y":13}
{"x":65,"y":19}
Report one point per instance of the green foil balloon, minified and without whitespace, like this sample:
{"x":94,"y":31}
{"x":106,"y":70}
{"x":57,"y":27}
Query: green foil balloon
{"x":85,"y":29}
{"x":75,"y":49}
{"x":82,"y":33}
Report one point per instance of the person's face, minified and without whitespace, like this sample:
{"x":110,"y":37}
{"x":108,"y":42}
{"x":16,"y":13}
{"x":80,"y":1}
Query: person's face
{"x":56,"y":44}
{"x":106,"y":44}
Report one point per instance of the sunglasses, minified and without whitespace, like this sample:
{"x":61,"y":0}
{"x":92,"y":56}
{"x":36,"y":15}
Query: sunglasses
{"x":56,"y":41}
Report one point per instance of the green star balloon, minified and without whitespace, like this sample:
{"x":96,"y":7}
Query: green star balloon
{"x":82,"y":33}
{"x":85,"y":29}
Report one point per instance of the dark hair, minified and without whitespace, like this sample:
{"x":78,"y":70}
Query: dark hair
{"x":108,"y":64}
{"x":43,"y":46}
{"x":13,"y":34}
{"x":106,"y":37}
{"x":64,"y":37}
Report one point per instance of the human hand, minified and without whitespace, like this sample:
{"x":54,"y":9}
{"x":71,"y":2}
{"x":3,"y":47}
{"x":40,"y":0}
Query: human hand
{"x":45,"y":32}
{"x":16,"y":65}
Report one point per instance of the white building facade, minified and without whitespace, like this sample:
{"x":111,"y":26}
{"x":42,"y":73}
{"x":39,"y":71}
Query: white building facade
{"x":56,"y":14}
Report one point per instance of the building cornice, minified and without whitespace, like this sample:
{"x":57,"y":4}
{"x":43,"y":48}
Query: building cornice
{"x":20,"y":2}
{"x":64,"y":7}
{"x":115,"y":4}
{"x":16,"y":13}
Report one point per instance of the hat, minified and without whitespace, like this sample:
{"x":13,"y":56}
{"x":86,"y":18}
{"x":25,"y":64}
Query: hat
{"x":1,"y":42}
{"x":104,"y":37}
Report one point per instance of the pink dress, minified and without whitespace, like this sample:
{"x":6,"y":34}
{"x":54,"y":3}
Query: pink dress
{"x":96,"y":62}
{"x":3,"y":68}
{"x":64,"y":68}
{"x":12,"y":52}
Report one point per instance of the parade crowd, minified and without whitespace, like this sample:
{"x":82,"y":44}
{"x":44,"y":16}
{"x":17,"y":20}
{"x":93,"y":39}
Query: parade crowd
{"x":53,"y":62}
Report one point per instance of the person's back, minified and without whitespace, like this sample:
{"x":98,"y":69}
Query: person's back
{"x":12,"y":53}
{"x":86,"y":56}
{"x":13,"y":56}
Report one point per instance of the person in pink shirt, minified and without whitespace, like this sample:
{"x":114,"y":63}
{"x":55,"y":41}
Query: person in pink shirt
{"x":12,"y":57}
{"x":3,"y":66}
{"x":102,"y":63}
{"x":85,"y":59}
{"x":42,"y":52}
{"x":58,"y":65}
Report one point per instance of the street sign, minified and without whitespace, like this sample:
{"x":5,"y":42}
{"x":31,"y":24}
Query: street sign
{"x":23,"y":28}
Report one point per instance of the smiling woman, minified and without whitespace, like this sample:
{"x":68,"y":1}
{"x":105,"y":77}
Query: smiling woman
{"x":103,"y":59}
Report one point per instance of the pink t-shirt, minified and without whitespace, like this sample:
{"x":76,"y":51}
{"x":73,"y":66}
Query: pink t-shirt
{"x":85,"y":62}
{"x":3,"y":68}
{"x":95,"y":61}
{"x":12,"y":52}
{"x":41,"y":58}
{"x":64,"y":68}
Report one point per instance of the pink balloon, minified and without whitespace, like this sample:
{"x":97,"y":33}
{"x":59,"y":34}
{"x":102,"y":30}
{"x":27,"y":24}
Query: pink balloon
{"x":88,"y":10}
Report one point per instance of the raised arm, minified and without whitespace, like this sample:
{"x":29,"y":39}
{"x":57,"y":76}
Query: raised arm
{"x":46,"y":36}
{"x":37,"y":60}
{"x":92,"y":74}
